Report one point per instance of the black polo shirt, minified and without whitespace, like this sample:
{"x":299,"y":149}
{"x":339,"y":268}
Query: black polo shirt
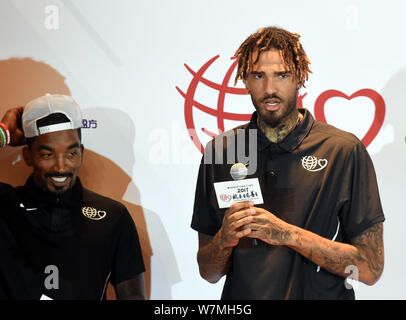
{"x":90,"y":239}
{"x":318,"y":178}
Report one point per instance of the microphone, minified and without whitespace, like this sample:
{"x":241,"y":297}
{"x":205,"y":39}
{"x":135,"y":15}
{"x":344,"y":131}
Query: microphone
{"x":238,"y":171}
{"x":239,"y":189}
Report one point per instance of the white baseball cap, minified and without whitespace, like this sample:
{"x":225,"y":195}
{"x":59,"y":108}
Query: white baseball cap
{"x":44,"y":106}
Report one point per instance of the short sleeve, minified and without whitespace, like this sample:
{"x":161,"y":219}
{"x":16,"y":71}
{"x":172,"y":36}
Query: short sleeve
{"x":128,"y":261}
{"x":364,"y":207}
{"x":6,"y":194}
{"x":17,"y":279}
{"x":205,"y":218}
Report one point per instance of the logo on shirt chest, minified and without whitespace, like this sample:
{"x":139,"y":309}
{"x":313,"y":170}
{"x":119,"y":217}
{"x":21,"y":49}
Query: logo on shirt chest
{"x":93,"y":213}
{"x":311,"y":163}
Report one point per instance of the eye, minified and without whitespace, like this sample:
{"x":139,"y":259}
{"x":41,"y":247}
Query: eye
{"x":257,"y":76}
{"x":283,"y":75}
{"x":74,"y":152}
{"x":46,"y":155}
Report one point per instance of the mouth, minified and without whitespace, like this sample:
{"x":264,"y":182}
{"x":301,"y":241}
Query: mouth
{"x":59,"y":181}
{"x":272,"y":104}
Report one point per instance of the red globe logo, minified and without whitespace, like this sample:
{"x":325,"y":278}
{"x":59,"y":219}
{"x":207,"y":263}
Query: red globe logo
{"x":223,"y":88}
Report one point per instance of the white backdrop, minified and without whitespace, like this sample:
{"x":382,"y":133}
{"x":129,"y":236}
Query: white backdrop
{"x":123,"y":62}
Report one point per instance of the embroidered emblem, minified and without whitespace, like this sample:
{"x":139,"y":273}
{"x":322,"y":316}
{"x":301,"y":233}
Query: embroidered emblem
{"x":311,"y":163}
{"x":93,"y":213}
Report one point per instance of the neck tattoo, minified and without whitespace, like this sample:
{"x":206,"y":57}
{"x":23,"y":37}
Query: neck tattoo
{"x":277,"y":134}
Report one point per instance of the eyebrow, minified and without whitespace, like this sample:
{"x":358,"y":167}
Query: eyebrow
{"x":44,"y":147}
{"x":74,"y":145}
{"x":283,"y":72}
{"x":277,"y":73}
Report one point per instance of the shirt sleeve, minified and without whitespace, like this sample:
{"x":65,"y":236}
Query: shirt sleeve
{"x":364,"y":207}
{"x":18,"y":281}
{"x":205,"y":218}
{"x":128,"y":261}
{"x":5,"y":197}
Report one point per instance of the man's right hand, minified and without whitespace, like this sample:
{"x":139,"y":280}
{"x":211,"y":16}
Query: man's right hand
{"x":214,"y":252}
{"x":238,"y":215}
{"x":13,"y":120}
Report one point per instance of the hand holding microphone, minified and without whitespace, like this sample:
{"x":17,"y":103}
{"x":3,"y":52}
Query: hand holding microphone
{"x":240,"y":196}
{"x":236,"y":217}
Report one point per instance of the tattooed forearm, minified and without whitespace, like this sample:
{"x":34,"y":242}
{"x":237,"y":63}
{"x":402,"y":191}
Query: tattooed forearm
{"x":365,"y":252}
{"x":213,"y":261}
{"x":370,"y":244}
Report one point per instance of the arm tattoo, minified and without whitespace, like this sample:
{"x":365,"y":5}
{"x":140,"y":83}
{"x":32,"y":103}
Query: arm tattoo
{"x":213,"y":263}
{"x":365,"y":252}
{"x":370,"y":243}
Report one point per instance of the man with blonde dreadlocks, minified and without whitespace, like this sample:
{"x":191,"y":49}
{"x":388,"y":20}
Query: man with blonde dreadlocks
{"x":321,"y":220}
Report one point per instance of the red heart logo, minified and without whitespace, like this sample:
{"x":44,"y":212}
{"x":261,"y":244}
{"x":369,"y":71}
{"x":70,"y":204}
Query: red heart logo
{"x":369,"y":93}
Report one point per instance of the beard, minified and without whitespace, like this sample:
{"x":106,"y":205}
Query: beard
{"x":281,"y":117}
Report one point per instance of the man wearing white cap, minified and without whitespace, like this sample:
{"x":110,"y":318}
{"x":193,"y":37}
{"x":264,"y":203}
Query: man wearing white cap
{"x":59,"y":240}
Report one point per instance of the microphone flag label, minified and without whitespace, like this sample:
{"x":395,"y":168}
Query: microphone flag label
{"x":230,"y":192}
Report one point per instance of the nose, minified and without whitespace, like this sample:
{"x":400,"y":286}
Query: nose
{"x":270,"y":86}
{"x":60,"y":164}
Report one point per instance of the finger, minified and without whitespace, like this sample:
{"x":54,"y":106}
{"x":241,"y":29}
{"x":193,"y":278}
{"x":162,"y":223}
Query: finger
{"x":263,"y":211}
{"x":241,"y":222}
{"x":260,"y":219}
{"x":258,"y":210}
{"x":254,"y":234}
{"x":253,"y":227}
{"x":239,"y":206}
{"x":243,"y":233}
{"x":241,"y":214}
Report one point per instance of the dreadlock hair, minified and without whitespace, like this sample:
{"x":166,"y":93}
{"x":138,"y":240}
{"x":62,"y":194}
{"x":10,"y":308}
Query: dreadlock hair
{"x":53,"y":118}
{"x":267,"y":38}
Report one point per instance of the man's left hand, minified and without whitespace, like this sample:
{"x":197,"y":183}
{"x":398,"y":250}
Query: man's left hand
{"x":267,"y":227}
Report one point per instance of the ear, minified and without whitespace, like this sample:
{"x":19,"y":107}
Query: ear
{"x":246,"y":85}
{"x":27,"y":156}
{"x":82,"y":149}
{"x":298,"y":85}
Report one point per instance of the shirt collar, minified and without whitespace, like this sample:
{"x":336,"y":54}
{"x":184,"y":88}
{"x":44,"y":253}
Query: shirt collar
{"x":43,"y":197}
{"x":292,"y":140}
